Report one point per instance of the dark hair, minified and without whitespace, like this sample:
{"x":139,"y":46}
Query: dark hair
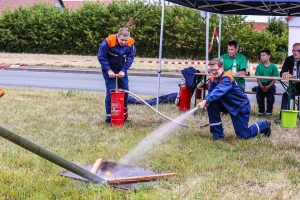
{"x":267,"y":51}
{"x":296,"y":44}
{"x":233,"y":43}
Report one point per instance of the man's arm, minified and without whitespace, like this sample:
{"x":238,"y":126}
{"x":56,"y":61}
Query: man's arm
{"x":271,"y":84}
{"x":259,"y":83}
{"x":258,"y":73}
{"x":130,"y":59}
{"x":243,"y":66}
{"x":102,"y":55}
{"x":274,"y":73}
{"x":285,"y":69}
{"x":221,"y":89}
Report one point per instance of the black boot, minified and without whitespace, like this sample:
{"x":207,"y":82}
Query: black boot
{"x":268,"y":131}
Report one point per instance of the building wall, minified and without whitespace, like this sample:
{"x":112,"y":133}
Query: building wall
{"x":13,"y":4}
{"x":259,"y":26}
{"x":294,"y":31}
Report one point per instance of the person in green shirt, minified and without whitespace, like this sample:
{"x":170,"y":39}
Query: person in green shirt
{"x":235,"y":62}
{"x":266,"y":87}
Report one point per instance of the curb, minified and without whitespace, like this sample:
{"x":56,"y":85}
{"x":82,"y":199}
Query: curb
{"x":13,"y":66}
{"x":24,"y":67}
{"x":94,"y":71}
{"x":27,"y":67}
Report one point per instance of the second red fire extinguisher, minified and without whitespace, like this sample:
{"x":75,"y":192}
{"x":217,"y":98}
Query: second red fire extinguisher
{"x":184,"y":98}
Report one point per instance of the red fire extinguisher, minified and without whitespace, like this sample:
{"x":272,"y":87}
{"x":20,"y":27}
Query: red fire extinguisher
{"x":184,"y":98}
{"x":199,"y":90}
{"x":117,"y":107}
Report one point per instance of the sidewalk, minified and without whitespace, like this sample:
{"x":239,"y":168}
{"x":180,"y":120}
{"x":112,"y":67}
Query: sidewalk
{"x":89,"y":71}
{"x":94,"y":71}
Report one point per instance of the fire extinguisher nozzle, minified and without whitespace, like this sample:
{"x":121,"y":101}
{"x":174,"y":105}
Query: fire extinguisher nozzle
{"x":117,"y":83}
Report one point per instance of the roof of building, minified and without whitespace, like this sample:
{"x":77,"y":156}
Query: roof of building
{"x":259,"y":26}
{"x":74,"y":4}
{"x":13,"y":4}
{"x":70,"y":4}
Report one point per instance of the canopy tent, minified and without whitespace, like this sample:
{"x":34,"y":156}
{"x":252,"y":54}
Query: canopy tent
{"x":237,"y":7}
{"x":248,"y":7}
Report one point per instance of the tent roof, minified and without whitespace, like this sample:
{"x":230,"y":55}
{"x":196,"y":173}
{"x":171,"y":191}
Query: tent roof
{"x":247,"y":7}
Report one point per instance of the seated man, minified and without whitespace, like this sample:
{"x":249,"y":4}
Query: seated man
{"x":224,"y":93}
{"x":237,"y":60}
{"x":286,"y":72}
{"x":266,"y":88}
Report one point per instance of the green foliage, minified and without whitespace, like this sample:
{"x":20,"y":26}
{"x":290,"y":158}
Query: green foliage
{"x":37,"y":29}
{"x":278,"y":29}
{"x":43,"y":28}
{"x":69,"y":93}
{"x":276,"y":26}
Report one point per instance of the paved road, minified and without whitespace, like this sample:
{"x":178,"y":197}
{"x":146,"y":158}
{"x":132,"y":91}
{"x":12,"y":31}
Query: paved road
{"x":140,"y":83}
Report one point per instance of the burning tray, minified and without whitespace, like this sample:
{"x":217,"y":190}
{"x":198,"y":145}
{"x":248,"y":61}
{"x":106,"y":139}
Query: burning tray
{"x":120,"y":175}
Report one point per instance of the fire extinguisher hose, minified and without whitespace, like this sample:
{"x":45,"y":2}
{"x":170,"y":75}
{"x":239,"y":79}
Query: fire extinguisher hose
{"x":182,"y":124}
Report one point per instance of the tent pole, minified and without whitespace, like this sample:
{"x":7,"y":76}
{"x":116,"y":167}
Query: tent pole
{"x":220,"y":35}
{"x":160,"y":50}
{"x":207,"y":41}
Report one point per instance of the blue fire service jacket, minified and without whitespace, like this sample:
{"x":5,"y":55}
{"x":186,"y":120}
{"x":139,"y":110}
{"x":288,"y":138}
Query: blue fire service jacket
{"x":225,"y":89}
{"x":113,"y":56}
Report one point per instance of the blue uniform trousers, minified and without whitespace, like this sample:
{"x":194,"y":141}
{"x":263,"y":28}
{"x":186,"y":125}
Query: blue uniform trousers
{"x":240,"y":122}
{"x":111,"y":84}
{"x":269,"y":95}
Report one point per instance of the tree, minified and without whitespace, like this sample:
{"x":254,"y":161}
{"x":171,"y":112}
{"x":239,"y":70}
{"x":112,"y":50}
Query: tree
{"x":277,"y":26}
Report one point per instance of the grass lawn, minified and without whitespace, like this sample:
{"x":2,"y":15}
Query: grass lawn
{"x":71,"y":124}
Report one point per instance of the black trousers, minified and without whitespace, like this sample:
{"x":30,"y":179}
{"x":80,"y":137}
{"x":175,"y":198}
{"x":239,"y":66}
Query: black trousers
{"x":269,"y":95}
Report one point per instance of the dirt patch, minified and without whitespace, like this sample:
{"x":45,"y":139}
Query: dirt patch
{"x":78,"y":61}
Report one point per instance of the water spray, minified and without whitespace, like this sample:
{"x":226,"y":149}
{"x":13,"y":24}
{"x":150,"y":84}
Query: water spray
{"x":117,"y":110}
{"x":182,"y":124}
{"x":157,"y":137}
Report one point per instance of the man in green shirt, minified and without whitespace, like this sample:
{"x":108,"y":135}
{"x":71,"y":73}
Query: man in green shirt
{"x":235,"y":62}
{"x":266,"y":88}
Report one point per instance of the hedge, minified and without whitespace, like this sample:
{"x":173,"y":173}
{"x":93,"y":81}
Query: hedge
{"x":44,"y":28}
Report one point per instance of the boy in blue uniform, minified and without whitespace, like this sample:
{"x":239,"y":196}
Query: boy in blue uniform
{"x":266,"y":88}
{"x":224,"y":93}
{"x":116,"y":55}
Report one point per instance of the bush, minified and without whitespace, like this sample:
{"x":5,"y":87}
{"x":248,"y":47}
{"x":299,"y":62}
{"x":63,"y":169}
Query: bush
{"x":44,"y":28}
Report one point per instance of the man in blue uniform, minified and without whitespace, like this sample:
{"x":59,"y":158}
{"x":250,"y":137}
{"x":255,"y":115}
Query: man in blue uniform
{"x":116,"y":55}
{"x":224,"y":93}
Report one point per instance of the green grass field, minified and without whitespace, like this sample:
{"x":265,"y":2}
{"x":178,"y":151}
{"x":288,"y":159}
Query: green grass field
{"x":71,"y":124}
